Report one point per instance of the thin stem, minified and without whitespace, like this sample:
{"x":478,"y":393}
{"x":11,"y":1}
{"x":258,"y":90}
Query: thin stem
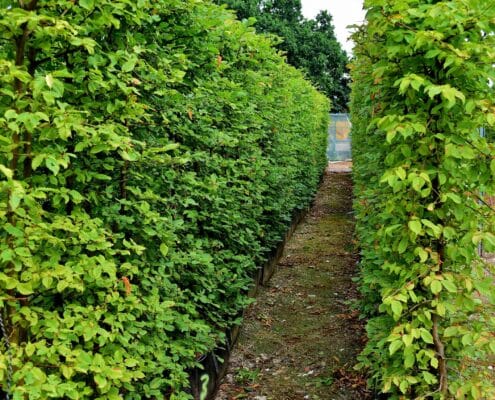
{"x":440,"y":348}
{"x":18,"y":335}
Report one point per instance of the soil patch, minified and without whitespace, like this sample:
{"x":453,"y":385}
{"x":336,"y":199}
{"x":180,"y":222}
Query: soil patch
{"x":301,"y":337}
{"x":339,"y":166}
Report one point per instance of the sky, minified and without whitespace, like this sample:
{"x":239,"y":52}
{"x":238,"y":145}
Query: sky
{"x":344,"y":13}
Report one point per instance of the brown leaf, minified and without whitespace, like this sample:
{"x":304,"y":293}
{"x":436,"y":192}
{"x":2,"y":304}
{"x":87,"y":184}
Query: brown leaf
{"x":127,"y":284}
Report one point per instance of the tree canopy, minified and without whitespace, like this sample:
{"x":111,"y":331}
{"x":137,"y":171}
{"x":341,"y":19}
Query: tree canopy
{"x":309,"y":44}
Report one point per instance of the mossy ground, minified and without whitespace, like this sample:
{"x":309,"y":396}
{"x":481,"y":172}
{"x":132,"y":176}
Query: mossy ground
{"x":301,"y":337}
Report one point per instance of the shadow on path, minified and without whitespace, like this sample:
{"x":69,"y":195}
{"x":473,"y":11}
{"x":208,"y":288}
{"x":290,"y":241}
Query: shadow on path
{"x":301,"y":337}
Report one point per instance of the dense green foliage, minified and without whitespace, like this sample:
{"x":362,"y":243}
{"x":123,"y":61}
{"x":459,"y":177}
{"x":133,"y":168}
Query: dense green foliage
{"x":310,"y":45}
{"x":152,"y":153}
{"x":422,"y":88}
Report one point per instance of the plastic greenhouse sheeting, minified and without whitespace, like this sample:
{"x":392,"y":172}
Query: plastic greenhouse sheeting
{"x":339,"y":138}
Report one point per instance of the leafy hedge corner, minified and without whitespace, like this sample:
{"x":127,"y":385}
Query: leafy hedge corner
{"x":423,"y":86}
{"x":152,"y":154}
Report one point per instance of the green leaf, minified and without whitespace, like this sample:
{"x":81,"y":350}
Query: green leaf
{"x":451,"y":331}
{"x":418,"y":183}
{"x":394,"y":346}
{"x":29,"y":349}
{"x":52,"y":165}
{"x":164,"y":249}
{"x":22,"y":251}
{"x":15,"y":200}
{"x":62,"y":285}
{"x":401,"y":248}
{"x":451,"y":94}
{"x":100,"y":381}
{"x":450,"y":286}
{"x":429,"y":377}
{"x":433,"y":90}
{"x":404,"y":385}
{"x":49,"y":77}
{"x":436,"y":287}
{"x":6,"y":171}
{"x":467,"y":339}
{"x":47,"y":281}
{"x":14,"y":231}
{"x":401,"y":173}
{"x":129,"y":64}
{"x":409,"y":360}
{"x":422,"y":254}
{"x":441,"y":309}
{"x":432,"y":229}
{"x":415,"y":226}
{"x":408,"y":340}
{"x":37,"y":160}
{"x":426,"y":336}
{"x":129,"y":155}
{"x":67,"y":371}
{"x":87,"y":4}
{"x":397,"y":308}
{"x":25,"y":288}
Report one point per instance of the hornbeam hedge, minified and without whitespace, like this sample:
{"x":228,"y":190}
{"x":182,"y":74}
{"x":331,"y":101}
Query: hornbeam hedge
{"x":152,"y":154}
{"x":423,"y":86}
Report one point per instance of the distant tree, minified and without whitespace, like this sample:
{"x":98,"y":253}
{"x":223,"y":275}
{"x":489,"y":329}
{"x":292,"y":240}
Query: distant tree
{"x":285,"y":10}
{"x":310,"y":45}
{"x":244,"y":8}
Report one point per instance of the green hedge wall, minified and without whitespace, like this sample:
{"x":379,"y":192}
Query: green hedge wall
{"x":423,"y":86}
{"x":152,"y":154}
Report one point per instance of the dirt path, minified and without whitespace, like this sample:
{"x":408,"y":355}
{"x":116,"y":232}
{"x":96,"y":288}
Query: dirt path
{"x":300,"y":339}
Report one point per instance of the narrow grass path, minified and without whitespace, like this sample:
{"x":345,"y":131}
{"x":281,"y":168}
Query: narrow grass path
{"x":301,"y":337}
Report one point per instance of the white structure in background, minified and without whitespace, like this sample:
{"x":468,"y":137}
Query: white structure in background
{"x":339,"y":138}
